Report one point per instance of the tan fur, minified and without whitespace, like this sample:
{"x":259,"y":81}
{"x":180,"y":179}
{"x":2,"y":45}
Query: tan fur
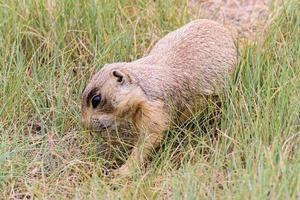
{"x":182,"y":69}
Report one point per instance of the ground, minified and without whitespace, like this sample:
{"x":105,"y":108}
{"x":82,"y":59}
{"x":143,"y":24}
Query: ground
{"x":50,"y":49}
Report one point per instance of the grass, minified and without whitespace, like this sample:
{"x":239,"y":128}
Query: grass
{"x":50,"y":49}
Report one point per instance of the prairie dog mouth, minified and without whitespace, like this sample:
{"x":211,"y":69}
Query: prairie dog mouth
{"x":97,"y":125}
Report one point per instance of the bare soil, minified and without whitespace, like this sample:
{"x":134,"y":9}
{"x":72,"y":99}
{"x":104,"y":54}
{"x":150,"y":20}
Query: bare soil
{"x":245,"y":18}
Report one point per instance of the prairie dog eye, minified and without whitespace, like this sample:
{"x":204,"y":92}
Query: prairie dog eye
{"x":96,"y":100}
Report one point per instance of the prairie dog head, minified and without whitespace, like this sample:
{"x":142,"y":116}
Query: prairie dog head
{"x":111,"y":98}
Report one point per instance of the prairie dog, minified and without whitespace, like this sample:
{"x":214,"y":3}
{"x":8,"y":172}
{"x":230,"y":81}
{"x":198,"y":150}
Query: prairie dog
{"x":182,"y":69}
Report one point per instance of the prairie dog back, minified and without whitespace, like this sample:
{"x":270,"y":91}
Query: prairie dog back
{"x":193,"y":60}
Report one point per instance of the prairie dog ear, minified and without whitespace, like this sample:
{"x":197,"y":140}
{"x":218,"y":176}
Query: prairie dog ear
{"x":121,"y":76}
